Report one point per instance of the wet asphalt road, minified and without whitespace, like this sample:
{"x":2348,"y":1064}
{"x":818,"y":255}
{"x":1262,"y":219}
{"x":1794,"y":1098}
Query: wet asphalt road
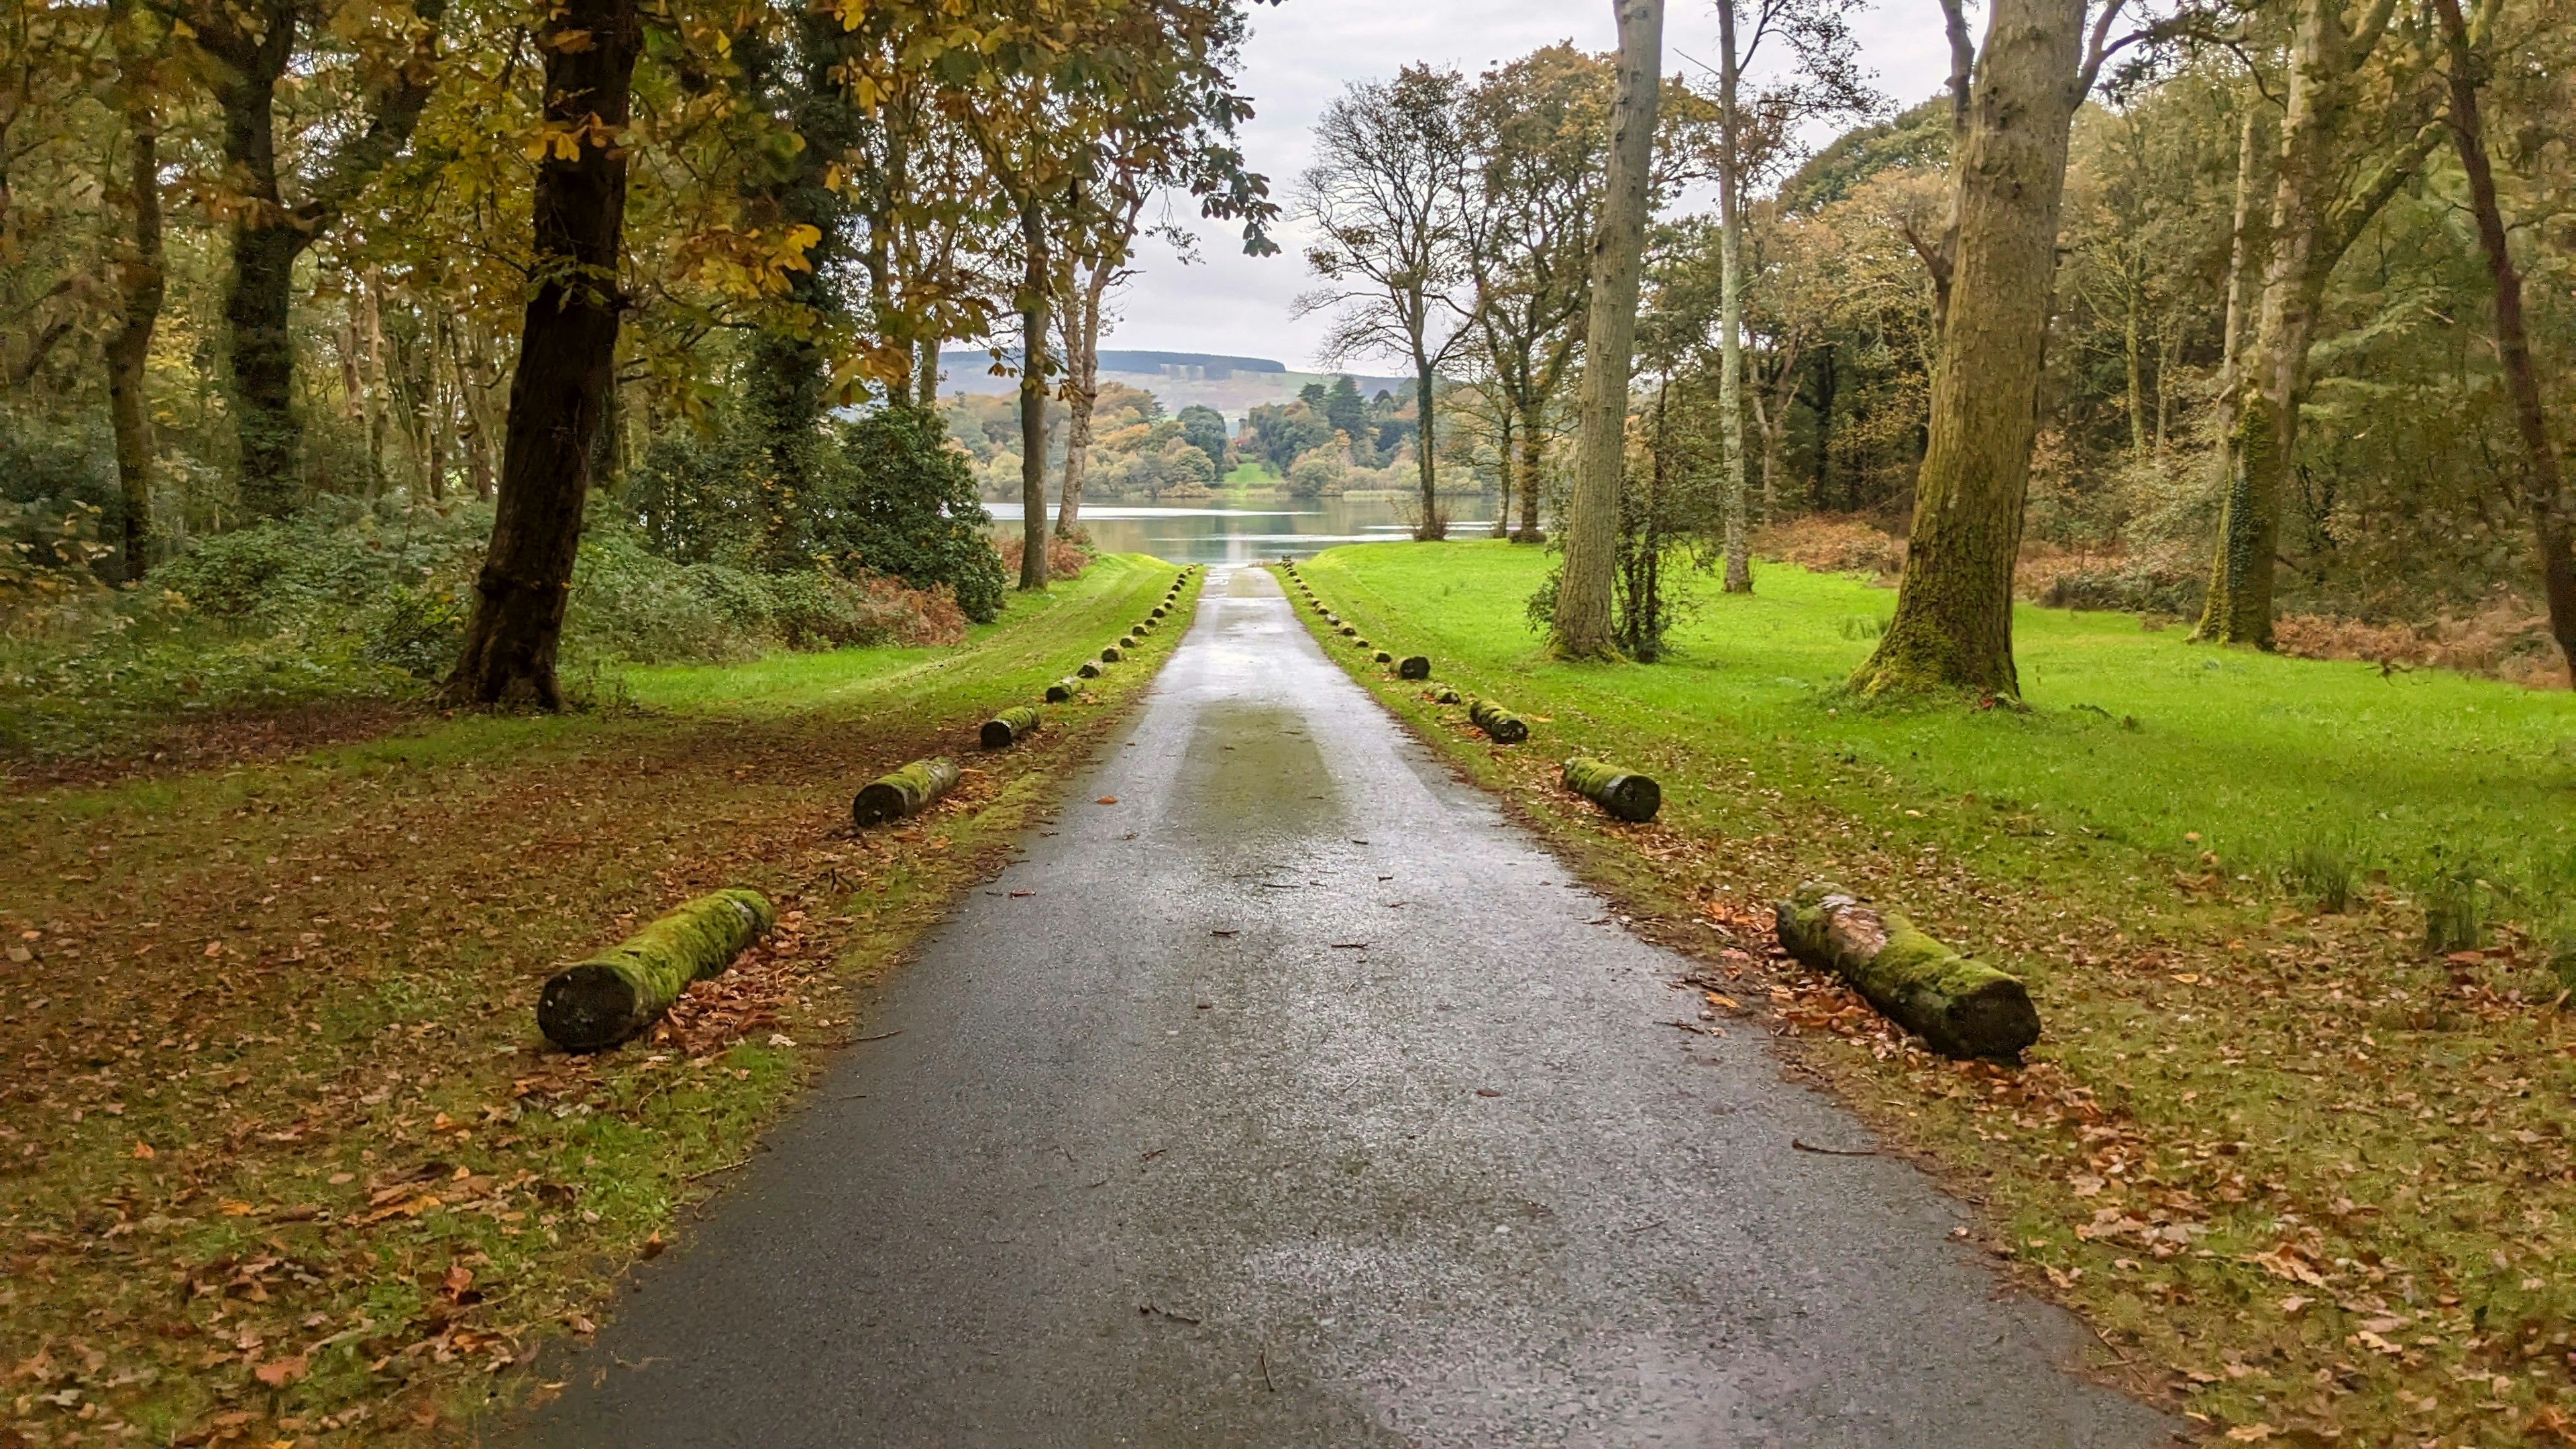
{"x":1163,"y":1156}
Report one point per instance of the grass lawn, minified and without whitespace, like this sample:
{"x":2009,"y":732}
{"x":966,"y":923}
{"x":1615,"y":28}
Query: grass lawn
{"x":282,"y":1158}
{"x":1250,"y":475}
{"x":2295,"y":1167}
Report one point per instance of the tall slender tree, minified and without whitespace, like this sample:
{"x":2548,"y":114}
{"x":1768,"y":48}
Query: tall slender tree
{"x":142,"y":281}
{"x":2469,"y":69}
{"x":1581,"y":627}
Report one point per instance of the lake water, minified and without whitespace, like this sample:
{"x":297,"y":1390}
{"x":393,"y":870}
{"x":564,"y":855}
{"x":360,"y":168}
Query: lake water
{"x":1220,"y":532}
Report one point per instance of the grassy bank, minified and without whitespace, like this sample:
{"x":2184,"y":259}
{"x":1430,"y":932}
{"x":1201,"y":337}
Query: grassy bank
{"x":2302,"y":1167}
{"x":282,"y":1158}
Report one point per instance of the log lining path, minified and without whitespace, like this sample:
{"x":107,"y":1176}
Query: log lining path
{"x":1298,"y":1098}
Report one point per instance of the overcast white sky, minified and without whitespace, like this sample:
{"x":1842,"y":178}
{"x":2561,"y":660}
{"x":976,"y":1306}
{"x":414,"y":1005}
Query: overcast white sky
{"x":1303,"y":52}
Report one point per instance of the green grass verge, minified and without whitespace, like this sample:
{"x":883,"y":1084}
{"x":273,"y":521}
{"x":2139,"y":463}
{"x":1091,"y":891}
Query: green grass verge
{"x":281,"y":1156}
{"x":2305,"y":1168}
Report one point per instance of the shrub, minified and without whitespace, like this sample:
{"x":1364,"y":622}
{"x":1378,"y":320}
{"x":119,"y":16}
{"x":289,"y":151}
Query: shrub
{"x":417,"y":631}
{"x":899,"y":500}
{"x":1065,"y":558}
{"x":1828,"y":544}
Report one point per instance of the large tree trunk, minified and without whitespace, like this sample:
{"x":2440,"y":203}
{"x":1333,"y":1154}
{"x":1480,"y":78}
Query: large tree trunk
{"x":1533,"y":461}
{"x":1503,"y":468}
{"x":1033,"y":396}
{"x":1953,"y":624}
{"x":567,"y":363}
{"x":1730,"y":309}
{"x":142,"y":279}
{"x":1582,"y":626}
{"x":2545,"y":495}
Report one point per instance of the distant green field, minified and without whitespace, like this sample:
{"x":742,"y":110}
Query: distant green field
{"x":2133,"y":736}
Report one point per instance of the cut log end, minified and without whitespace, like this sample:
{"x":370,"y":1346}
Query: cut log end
{"x":1111,"y":655}
{"x":1499,"y":724}
{"x":1010,"y":727}
{"x":1383,"y":657}
{"x":620,"y":992}
{"x":1960,"y":1007}
{"x":1414,"y":666}
{"x":1625,"y":794}
{"x":907,"y":791}
{"x":1063,"y":690}
{"x":1090,"y":670}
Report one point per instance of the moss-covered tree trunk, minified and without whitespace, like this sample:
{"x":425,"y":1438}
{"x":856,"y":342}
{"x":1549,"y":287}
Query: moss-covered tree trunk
{"x":898,"y":793}
{"x":1582,"y":627}
{"x":617,"y":994}
{"x":1953,"y":624}
{"x":248,"y":49}
{"x":1963,"y":1008}
{"x":567,"y":362}
{"x":1625,"y":794}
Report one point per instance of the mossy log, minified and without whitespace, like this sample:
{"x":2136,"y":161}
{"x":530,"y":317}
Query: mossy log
{"x":1126,"y":641}
{"x":1063,"y":690}
{"x":1962,"y":1008}
{"x":1011,"y":726}
{"x":1444,"y":695}
{"x":1499,"y":724}
{"x":626,"y":988}
{"x":1383,"y":657}
{"x":907,"y":791}
{"x":1090,"y":670}
{"x":1413,"y":666}
{"x":1350,"y":631}
{"x":1158,"y":611}
{"x":1624,"y":793}
{"x":1112,"y":654}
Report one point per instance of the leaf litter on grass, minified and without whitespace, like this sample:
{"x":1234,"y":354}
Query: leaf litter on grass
{"x":2302,"y":1180}
{"x":282,"y":1158}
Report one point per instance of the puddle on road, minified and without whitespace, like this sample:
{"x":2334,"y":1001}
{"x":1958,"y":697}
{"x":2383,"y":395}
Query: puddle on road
{"x":1254,"y":770}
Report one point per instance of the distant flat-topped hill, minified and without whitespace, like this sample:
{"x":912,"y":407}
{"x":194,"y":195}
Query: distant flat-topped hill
{"x":1231,"y":385}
